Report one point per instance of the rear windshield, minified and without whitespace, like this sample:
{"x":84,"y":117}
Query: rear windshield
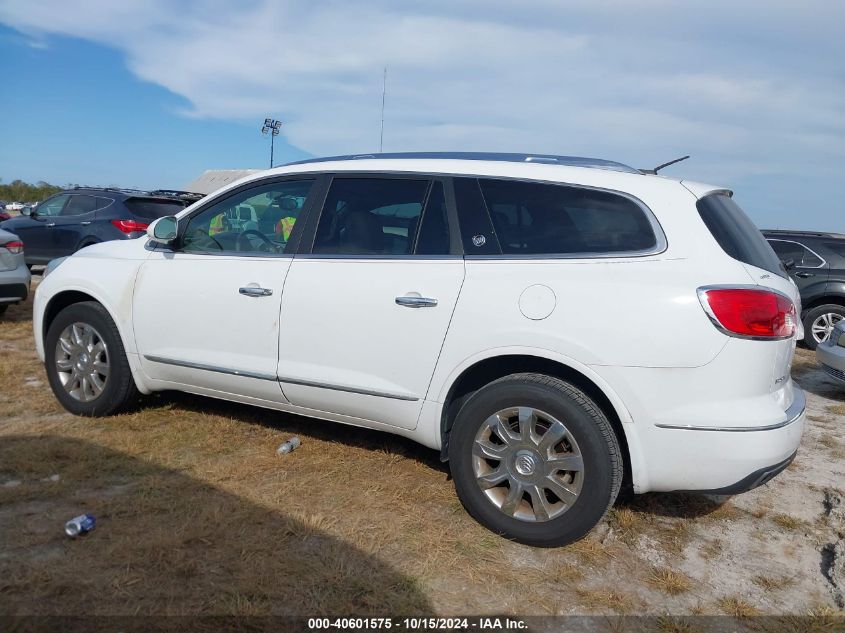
{"x":152,"y":208}
{"x":737,"y":234}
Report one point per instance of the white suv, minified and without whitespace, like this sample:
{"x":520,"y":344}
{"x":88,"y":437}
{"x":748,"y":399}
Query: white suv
{"x":555,"y":326}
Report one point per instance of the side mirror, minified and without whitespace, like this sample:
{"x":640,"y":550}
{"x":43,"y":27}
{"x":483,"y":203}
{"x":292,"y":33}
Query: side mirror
{"x":788,"y":264}
{"x":28,"y":211}
{"x":163,"y":230}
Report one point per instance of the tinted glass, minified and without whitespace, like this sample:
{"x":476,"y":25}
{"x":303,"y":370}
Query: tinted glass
{"x":152,"y":208}
{"x":370,"y":216}
{"x":837,"y":248}
{"x":434,"y":230}
{"x":79,"y":205}
{"x":798,"y":253}
{"x":257,"y":220}
{"x":534,"y":218}
{"x":53,"y":206}
{"x":736,"y":233}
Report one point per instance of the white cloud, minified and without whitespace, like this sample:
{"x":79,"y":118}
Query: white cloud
{"x":756,"y":88}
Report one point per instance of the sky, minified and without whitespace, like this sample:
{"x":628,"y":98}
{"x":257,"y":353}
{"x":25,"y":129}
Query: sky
{"x":149,"y":93}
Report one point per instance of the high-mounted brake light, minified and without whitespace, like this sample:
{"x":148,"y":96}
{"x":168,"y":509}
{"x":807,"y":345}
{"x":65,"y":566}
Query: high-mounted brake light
{"x":129,"y":226}
{"x":749,"y":312}
{"x":16,"y":247}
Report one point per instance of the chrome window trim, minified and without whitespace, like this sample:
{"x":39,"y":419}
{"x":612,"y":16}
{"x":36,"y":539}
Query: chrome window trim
{"x":364,"y":392}
{"x":702,"y":299}
{"x":823,"y":260}
{"x":795,"y":411}
{"x":214,"y":368}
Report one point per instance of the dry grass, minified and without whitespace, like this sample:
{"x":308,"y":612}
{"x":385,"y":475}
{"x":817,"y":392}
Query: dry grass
{"x":737,"y":607}
{"x":669,"y":581}
{"x":605,"y":600}
{"x":772,"y":583}
{"x":787,"y":522}
{"x":828,"y":441}
{"x":836,"y":409}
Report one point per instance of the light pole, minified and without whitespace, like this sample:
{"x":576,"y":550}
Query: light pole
{"x":271,"y":127}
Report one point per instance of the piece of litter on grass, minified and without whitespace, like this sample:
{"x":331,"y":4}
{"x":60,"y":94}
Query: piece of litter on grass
{"x":80,"y":525}
{"x":288,"y":446}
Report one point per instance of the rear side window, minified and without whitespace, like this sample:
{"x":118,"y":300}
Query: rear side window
{"x":535,"y":218}
{"x":736,"y":233}
{"x":152,"y":208}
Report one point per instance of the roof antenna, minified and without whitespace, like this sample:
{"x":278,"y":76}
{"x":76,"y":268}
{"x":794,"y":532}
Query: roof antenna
{"x":383,"y":93}
{"x":659,"y":167}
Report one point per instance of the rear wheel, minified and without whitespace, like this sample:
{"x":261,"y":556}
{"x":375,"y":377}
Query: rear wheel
{"x":3,"y":308}
{"x":86,"y":363}
{"x":535,"y":460}
{"x":819,"y":323}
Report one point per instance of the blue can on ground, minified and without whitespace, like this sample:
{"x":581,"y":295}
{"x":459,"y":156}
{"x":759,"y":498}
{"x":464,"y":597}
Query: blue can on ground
{"x":80,"y":525}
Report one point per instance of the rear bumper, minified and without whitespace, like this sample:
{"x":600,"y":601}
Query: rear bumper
{"x":721,"y":460}
{"x":832,"y":360}
{"x":14,"y":285}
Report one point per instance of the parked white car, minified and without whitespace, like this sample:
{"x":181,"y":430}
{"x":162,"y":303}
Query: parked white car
{"x":555,"y":326}
{"x":15,"y":206}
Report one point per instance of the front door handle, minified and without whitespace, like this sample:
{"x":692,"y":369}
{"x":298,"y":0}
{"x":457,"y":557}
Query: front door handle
{"x":50,"y":225}
{"x":803,"y":275}
{"x":255,"y":291}
{"x":85,"y":223}
{"x":415,"y":301}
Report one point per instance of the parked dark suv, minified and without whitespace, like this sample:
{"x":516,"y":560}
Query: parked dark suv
{"x":818,"y":268}
{"x":79,"y":217}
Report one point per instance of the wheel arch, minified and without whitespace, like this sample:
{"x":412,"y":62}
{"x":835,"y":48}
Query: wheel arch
{"x":482,"y":371}
{"x":826,"y":299}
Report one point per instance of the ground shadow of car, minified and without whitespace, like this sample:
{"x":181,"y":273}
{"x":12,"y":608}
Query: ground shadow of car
{"x":168,"y":544}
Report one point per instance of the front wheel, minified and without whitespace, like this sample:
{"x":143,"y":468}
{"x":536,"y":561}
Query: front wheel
{"x":535,"y":460}
{"x":86,"y":363}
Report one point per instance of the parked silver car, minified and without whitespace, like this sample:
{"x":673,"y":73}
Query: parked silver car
{"x":14,"y":275}
{"x":831,"y":353}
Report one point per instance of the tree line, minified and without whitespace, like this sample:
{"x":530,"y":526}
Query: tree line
{"x":20,"y":191}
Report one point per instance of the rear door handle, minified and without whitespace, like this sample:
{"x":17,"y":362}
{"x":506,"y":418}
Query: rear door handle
{"x":50,"y":225}
{"x":412,"y":301}
{"x":85,"y":223}
{"x":255,"y":291}
{"x":803,"y":275}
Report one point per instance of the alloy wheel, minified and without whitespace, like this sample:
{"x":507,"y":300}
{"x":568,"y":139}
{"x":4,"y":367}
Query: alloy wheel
{"x":82,"y":362}
{"x":823,"y":326}
{"x":527,"y":464}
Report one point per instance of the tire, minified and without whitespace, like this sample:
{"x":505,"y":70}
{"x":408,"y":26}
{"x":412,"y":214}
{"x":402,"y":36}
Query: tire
{"x":117,"y":390}
{"x":818,"y":317}
{"x":3,"y":308}
{"x":586,"y":432}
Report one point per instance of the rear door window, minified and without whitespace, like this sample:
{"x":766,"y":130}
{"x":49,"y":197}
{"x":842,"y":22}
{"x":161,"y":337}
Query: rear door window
{"x":802,"y":256}
{"x":535,"y":218}
{"x":737,"y":234}
{"x":371,"y":216}
{"x":79,"y":205}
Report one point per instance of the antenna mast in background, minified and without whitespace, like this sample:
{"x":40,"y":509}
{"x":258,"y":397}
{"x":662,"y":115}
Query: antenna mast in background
{"x":383,"y":93}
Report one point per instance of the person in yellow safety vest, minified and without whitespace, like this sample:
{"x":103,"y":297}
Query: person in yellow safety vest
{"x":284,"y":227}
{"x":218,"y":224}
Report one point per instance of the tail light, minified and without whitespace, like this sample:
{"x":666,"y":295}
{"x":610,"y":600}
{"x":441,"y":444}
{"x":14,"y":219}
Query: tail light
{"x":749,"y":312}
{"x":129,"y":226}
{"x":16,"y":247}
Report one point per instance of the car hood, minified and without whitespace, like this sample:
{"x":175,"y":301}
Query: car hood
{"x":117,"y":249}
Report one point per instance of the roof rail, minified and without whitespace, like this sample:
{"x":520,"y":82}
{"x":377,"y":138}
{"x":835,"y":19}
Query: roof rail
{"x":173,"y":193}
{"x":802,"y":233}
{"x":548,"y":159}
